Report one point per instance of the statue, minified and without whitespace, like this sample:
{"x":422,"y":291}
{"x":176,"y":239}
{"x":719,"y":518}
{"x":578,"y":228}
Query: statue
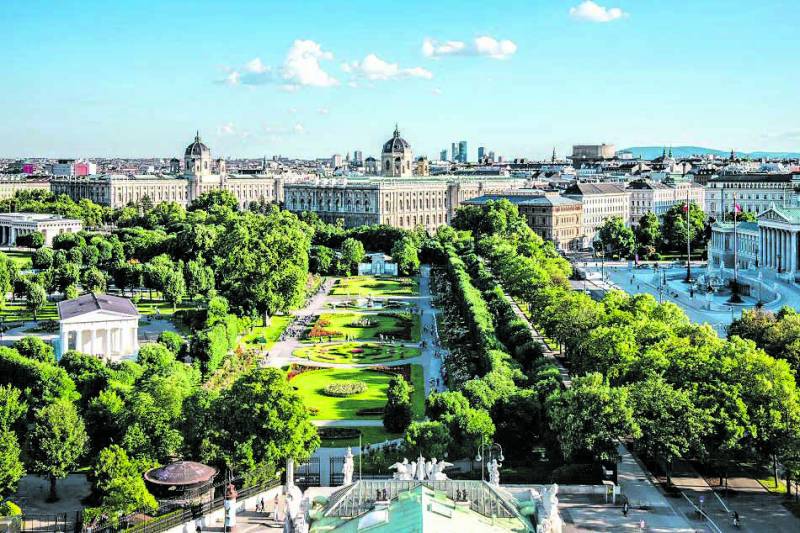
{"x":549,"y":520}
{"x":403,"y":471}
{"x":295,"y":516}
{"x":347,"y":468}
{"x":430,"y":464}
{"x":494,"y":472}
{"x":420,"y":472}
{"x":438,"y":470}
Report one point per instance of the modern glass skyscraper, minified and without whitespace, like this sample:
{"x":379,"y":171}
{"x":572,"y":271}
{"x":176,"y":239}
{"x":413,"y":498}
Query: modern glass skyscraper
{"x":462,"y":151}
{"x":481,"y":153}
{"x":454,"y":154}
{"x":443,"y":155}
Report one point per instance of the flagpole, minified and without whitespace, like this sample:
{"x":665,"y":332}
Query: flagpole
{"x":688,"y":242}
{"x":735,"y":298}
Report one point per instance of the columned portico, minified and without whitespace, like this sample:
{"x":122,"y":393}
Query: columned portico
{"x":779,"y":231}
{"x":101,"y":325}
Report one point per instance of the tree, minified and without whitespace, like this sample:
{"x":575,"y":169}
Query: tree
{"x":173,"y":341}
{"x":648,"y":232}
{"x":260,"y":421}
{"x":262,"y":261}
{"x":94,"y":280}
{"x":590,"y":417}
{"x":42,"y":258}
{"x":35,"y":348}
{"x":57,"y":441}
{"x":671,"y":425}
{"x":674,"y":226}
{"x":120,"y":485}
{"x":217,"y":197}
{"x":35,"y":298}
{"x":352,"y":254}
{"x":199,"y":278}
{"x":428,"y":439}
{"x":11,"y":467}
{"x":397,"y":411}
{"x":174,"y":286}
{"x":12,"y":408}
{"x":31,"y":240}
{"x":320,"y":259}
{"x":616,"y":237}
{"x":404,"y":252}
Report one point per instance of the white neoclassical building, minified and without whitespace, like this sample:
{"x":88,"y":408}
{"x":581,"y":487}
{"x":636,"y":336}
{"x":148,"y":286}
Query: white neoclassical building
{"x":13,"y":225}
{"x":99,"y":324}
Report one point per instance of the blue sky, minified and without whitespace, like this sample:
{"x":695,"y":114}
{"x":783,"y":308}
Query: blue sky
{"x":313,"y":78}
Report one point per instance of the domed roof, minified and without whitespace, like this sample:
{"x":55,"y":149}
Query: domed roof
{"x":181,"y":473}
{"x":396,"y":144}
{"x":197,"y":148}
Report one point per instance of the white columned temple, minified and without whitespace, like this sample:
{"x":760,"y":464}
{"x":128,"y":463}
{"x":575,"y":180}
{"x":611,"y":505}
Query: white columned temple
{"x":13,"y":225}
{"x":99,"y":324}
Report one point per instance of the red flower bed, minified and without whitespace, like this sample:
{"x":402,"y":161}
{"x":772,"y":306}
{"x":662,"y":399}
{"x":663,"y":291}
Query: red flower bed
{"x":357,"y":350}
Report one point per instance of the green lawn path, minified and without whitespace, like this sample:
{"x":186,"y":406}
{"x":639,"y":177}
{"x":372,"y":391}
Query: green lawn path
{"x":265,"y":336}
{"x":389,"y":323}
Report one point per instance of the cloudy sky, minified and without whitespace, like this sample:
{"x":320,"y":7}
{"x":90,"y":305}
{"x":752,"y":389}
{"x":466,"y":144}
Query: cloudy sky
{"x":313,"y":78}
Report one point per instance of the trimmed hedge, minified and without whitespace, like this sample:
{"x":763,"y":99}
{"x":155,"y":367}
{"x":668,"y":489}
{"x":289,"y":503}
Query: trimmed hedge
{"x":342,"y":389}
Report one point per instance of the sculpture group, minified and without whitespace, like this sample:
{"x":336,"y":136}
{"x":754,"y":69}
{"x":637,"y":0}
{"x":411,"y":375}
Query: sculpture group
{"x":420,"y":470}
{"x":548,"y":520}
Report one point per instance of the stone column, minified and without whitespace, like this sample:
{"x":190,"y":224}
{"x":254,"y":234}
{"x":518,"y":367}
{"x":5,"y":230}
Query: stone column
{"x":134,"y":341}
{"x":760,"y":248}
{"x":64,"y":342}
{"x":93,"y":350}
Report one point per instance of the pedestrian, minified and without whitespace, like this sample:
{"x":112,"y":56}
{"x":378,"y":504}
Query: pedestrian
{"x":625,"y":509}
{"x":736,"y":519}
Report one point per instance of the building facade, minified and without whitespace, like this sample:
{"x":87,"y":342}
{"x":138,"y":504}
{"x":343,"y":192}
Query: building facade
{"x":14,"y":225}
{"x":553,"y":217}
{"x":10,"y":187}
{"x":600,"y":201}
{"x":99,"y":324}
{"x":753,"y":192}
{"x":404,"y":203}
{"x":591,"y":153}
{"x":649,"y":196}
{"x":201,"y":175}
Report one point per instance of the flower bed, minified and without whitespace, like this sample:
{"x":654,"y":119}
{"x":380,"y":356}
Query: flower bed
{"x":343,"y":389}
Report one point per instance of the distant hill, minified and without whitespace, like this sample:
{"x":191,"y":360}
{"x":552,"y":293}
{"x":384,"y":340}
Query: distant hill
{"x":651,"y":152}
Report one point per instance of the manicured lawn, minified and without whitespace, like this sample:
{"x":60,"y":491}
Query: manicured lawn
{"x":158,"y":307}
{"x":400,"y":325}
{"x":21,"y":258}
{"x":17,"y":312}
{"x":369,"y":435}
{"x":310,"y":385}
{"x":356,"y":353}
{"x":372,"y":286}
{"x":265,"y":336}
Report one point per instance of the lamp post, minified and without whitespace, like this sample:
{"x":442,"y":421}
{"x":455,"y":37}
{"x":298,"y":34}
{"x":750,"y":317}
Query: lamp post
{"x":489,"y":448}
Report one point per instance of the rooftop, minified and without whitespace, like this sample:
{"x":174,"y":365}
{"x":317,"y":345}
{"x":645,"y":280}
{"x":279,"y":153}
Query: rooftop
{"x":34,"y":217}
{"x":91,"y":302}
{"x":525,"y":199}
{"x":594,"y":188}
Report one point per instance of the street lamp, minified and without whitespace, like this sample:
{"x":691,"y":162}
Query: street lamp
{"x":488,"y":448}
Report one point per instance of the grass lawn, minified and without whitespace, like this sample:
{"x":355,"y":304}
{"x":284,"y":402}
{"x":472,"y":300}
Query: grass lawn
{"x":21,"y":258}
{"x":265,"y":336}
{"x":400,"y":325}
{"x":310,"y":385}
{"x":372,"y":286}
{"x":356,"y":353}
{"x":369,"y":435}
{"x":151,"y":307}
{"x":16,"y":312}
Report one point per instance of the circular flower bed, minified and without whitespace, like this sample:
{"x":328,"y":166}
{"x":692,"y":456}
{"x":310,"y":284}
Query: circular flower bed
{"x":342,"y":389}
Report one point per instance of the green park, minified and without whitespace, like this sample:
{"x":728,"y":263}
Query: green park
{"x":367,"y":286}
{"x":399,"y":325}
{"x":356,"y":353}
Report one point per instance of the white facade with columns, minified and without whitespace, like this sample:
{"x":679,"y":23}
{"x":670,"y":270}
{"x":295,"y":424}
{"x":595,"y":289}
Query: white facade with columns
{"x":12,"y":225}
{"x":778,"y":233}
{"x":102,"y":325}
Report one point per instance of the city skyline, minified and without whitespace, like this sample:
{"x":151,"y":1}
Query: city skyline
{"x":262,"y":78}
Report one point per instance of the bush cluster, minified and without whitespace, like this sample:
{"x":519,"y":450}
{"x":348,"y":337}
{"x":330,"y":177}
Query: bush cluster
{"x":343,"y":389}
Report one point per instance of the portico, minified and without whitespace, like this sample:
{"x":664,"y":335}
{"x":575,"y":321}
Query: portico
{"x":102,"y":325}
{"x":13,"y":225}
{"x":778,"y":240}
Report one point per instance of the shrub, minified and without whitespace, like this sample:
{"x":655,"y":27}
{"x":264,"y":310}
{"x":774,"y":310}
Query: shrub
{"x":9,"y":508}
{"x":313,"y":411}
{"x":342,"y":389}
{"x":577,"y":474}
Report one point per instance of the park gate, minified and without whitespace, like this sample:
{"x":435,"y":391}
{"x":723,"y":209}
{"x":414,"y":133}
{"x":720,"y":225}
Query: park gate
{"x":307,"y":474}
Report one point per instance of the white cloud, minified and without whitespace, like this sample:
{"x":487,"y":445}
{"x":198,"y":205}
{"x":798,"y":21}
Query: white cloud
{"x":323,"y":111}
{"x":484,"y":45}
{"x":302,"y":65}
{"x":437,"y":91}
{"x":592,"y":12}
{"x":298,"y":128}
{"x":226,"y":129}
{"x":374,"y":68}
{"x":301,"y":68}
